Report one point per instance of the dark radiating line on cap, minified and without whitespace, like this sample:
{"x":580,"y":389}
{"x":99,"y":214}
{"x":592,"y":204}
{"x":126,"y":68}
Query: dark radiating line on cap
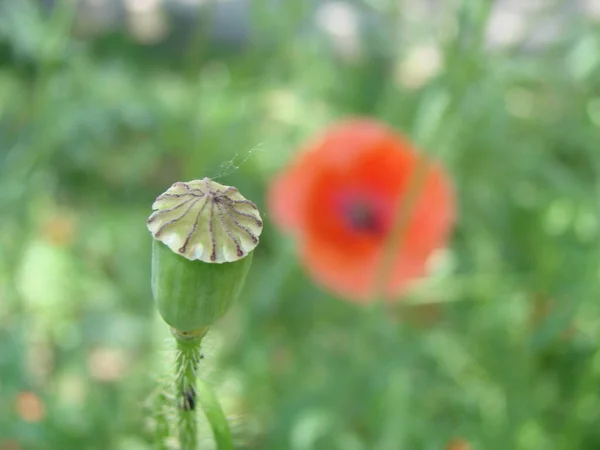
{"x":160,"y":212}
{"x":213,"y":255}
{"x":188,"y":187}
{"x":172,"y":221}
{"x":249,"y":216}
{"x":239,"y":225}
{"x":241,"y":202}
{"x":229,"y":190}
{"x":180,"y":184}
{"x":183,"y":194}
{"x":194,"y":227}
{"x":236,"y":241}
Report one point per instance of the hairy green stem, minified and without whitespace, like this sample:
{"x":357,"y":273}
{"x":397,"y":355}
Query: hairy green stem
{"x":192,"y":392}
{"x":188,"y":357}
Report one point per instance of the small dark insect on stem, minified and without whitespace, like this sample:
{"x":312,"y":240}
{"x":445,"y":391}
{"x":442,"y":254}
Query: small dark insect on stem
{"x":188,"y":399}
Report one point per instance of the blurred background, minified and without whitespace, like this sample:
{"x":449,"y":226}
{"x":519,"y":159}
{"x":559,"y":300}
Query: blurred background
{"x":105,"y":103}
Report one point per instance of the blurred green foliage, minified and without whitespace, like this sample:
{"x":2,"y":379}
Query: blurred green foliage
{"x":500,"y":345}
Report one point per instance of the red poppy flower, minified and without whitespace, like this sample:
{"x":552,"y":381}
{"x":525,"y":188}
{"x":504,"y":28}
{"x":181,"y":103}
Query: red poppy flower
{"x":340,"y":200}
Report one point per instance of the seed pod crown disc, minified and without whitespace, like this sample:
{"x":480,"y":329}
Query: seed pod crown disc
{"x":206,"y":221}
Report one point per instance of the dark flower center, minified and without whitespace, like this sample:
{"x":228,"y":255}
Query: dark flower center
{"x":362,"y":216}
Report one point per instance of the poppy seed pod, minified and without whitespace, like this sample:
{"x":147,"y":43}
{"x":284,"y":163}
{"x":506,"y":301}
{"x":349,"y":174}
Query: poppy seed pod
{"x":204,"y":234}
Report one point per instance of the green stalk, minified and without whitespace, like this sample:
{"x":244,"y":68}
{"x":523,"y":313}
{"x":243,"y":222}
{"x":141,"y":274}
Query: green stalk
{"x":192,"y":391}
{"x":216,"y":417}
{"x":186,"y":369}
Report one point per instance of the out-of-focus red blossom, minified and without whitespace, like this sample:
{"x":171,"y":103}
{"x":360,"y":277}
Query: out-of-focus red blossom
{"x":340,"y":199}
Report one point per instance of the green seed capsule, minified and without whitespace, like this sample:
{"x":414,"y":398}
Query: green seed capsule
{"x":194,"y":294}
{"x":204,"y":234}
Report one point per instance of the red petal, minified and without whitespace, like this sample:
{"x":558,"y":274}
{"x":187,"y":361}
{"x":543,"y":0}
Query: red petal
{"x":287,"y":192}
{"x":339,"y":273}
